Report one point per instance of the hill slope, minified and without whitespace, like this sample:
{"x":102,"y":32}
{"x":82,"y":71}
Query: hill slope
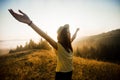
{"x":105,"y":46}
{"x":40,"y":65}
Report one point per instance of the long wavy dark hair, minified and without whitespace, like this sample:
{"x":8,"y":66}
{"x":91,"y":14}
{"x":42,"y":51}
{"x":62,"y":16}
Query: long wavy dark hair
{"x":64,"y":38}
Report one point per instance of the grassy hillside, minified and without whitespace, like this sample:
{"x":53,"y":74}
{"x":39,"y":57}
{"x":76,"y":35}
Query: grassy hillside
{"x":105,"y":46}
{"x":40,"y":65}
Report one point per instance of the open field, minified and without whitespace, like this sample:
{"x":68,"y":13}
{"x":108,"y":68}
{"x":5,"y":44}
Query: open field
{"x":40,"y":65}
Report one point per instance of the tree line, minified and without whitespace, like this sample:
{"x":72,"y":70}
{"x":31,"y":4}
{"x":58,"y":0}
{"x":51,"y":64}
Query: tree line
{"x":102,"y":52}
{"x":42,"y":44}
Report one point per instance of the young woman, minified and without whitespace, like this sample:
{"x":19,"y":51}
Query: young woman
{"x":63,"y":47}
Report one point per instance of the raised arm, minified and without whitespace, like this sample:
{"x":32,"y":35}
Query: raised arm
{"x":74,"y":35}
{"x":25,"y":19}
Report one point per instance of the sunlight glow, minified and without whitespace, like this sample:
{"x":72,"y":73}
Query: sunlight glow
{"x":91,"y":16}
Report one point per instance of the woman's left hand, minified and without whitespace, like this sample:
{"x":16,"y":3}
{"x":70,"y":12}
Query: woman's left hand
{"x":77,"y":29}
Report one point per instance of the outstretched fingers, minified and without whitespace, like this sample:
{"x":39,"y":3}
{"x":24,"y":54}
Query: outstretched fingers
{"x":77,"y":29}
{"x":13,"y":13}
{"x":21,"y":12}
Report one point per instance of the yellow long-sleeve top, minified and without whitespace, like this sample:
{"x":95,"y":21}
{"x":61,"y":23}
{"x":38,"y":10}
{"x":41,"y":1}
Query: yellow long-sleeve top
{"x":64,"y":59}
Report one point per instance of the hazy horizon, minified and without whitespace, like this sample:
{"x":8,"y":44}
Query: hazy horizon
{"x":91,"y":16}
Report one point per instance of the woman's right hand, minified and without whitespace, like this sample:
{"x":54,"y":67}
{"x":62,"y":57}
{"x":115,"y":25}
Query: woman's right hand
{"x":20,"y":17}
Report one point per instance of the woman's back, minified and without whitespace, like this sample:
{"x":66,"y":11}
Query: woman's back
{"x":64,"y":59}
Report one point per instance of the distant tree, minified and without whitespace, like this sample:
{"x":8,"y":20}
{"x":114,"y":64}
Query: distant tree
{"x":32,"y":44}
{"x":77,"y":52}
{"x":26,"y":46}
{"x":43,"y":44}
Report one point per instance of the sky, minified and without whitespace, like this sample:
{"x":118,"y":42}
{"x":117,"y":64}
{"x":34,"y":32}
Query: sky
{"x":91,"y":16}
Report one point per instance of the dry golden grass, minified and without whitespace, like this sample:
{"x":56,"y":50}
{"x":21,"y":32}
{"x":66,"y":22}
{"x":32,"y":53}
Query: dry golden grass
{"x":40,"y":65}
{"x":86,"y":69}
